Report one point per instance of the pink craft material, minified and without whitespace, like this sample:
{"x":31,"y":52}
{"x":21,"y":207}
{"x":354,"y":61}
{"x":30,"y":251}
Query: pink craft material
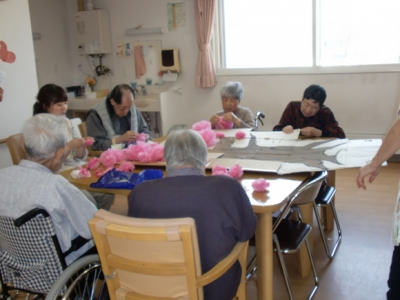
{"x":222,"y":124}
{"x":144,"y":152}
{"x":108,"y":159}
{"x":209,"y":137}
{"x":126,"y":167}
{"x":236,"y":171}
{"x":100,"y":173}
{"x":93,"y":163}
{"x":260,"y":185}
{"x":88,"y":142}
{"x":199,"y":126}
{"x":219,"y":170}
{"x":240,"y":135}
{"x":220,"y":135}
{"x":141,"y":137}
{"x":83,"y":172}
{"x":111,"y":156}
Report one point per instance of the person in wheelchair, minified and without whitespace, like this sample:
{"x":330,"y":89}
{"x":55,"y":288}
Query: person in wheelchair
{"x":241,"y":117}
{"x":218,"y":204}
{"x":33,"y":183}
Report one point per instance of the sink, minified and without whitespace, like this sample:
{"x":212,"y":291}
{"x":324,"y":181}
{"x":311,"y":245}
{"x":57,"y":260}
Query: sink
{"x":142,"y":101}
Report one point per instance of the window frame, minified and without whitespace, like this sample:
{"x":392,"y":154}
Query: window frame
{"x":218,"y":50}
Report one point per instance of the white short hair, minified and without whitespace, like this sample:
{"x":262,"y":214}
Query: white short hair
{"x":44,"y":134}
{"x":185,"y":148}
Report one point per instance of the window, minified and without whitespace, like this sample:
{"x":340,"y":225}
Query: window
{"x":308,"y":35}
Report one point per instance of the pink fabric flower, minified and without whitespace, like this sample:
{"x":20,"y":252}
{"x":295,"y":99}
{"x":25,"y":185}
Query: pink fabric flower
{"x":108,"y":159}
{"x":83,"y":172}
{"x":222,"y":124}
{"x":219,"y":170}
{"x":141,"y":137}
{"x":260,"y":185}
{"x":111,"y":156}
{"x":126,"y":167}
{"x":236,"y":171}
{"x":88,"y":142}
{"x":199,"y":126}
{"x":157,"y":153}
{"x":100,"y":173}
{"x":220,"y":134}
{"x":93,"y":163}
{"x":209,"y":137}
{"x":240,"y":135}
{"x":144,"y":152}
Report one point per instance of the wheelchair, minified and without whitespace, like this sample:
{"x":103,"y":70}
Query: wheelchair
{"x":258,"y":118}
{"x":31,"y":261}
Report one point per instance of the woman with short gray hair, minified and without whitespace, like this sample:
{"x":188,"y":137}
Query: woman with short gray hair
{"x":241,"y":117}
{"x":218,"y":204}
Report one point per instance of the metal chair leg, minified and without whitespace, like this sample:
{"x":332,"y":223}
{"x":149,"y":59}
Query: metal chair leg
{"x":251,"y":268}
{"x":329,"y":253}
{"x":312,"y":294}
{"x":283,"y":266}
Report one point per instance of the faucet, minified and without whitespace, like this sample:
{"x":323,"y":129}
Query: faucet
{"x":143,"y":88}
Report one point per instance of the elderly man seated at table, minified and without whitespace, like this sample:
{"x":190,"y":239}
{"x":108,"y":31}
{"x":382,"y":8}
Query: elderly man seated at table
{"x":241,"y":117}
{"x":311,"y":116}
{"x":116,"y":120}
{"x":218,"y":204}
{"x":32,"y":183}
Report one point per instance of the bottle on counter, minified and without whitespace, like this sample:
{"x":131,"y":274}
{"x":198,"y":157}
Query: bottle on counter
{"x":87,"y":88}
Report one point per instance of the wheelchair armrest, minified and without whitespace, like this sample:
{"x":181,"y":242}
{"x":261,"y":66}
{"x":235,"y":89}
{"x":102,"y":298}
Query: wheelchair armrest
{"x":75,"y":245}
{"x":30,"y":215}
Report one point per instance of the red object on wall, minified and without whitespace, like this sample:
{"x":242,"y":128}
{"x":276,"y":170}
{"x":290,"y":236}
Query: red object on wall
{"x":6,"y":55}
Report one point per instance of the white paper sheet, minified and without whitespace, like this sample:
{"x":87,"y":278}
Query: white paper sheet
{"x":276,"y":135}
{"x":248,"y":164}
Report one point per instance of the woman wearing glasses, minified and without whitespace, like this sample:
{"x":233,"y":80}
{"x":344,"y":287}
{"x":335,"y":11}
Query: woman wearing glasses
{"x":115,"y":120}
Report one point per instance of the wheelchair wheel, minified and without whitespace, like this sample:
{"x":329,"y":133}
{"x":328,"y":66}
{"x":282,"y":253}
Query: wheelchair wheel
{"x":82,"y":280}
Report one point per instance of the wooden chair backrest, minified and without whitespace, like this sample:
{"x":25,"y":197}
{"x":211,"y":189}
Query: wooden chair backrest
{"x":152,"y":258}
{"x":17,"y":151}
{"x":82,"y":129}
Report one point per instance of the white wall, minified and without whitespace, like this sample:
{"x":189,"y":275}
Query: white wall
{"x":52,"y":51}
{"x":20,"y":84}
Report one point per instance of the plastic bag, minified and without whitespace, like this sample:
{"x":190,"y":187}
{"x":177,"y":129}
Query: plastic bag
{"x":123,"y":180}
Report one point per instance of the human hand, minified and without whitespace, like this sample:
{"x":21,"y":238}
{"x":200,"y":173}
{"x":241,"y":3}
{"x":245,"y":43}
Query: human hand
{"x":231,"y":117}
{"x":310,"y":132}
{"x":127,"y":137}
{"x":288,"y":129}
{"x":370,"y":169}
{"x":214,"y":120}
{"x":75,"y":143}
{"x":1,"y":94}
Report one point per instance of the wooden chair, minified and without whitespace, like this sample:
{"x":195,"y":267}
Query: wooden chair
{"x":156,"y":258}
{"x":83,"y":131}
{"x":17,"y":151}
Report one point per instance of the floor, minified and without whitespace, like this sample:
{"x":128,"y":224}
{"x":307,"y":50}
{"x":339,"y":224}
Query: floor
{"x":360,"y":267}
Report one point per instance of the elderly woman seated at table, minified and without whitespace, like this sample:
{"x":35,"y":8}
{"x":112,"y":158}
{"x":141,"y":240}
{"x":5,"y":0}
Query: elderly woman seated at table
{"x":218,"y":204}
{"x":116,"y":120}
{"x":311,"y":116}
{"x":241,"y":117}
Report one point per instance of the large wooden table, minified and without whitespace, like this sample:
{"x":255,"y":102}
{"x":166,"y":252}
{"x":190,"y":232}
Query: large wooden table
{"x":264,"y":204}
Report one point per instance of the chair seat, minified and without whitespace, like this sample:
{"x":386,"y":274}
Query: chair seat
{"x":325,"y":195}
{"x":291,"y":234}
